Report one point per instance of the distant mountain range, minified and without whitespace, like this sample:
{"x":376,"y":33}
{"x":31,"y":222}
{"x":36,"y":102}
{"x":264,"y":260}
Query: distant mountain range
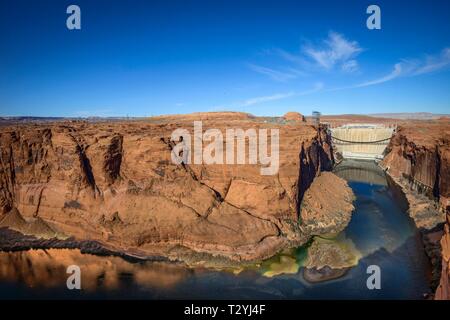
{"x":401,"y":115}
{"x":52,"y":119}
{"x":410,"y":115}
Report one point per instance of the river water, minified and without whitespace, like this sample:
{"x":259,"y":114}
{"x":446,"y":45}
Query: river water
{"x":380,"y":233}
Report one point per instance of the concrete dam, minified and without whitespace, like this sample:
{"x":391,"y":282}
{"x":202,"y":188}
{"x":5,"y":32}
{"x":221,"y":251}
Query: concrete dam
{"x":361,"y":141}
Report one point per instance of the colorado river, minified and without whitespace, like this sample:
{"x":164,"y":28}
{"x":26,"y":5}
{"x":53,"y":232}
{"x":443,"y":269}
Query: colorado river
{"x":380,"y":233}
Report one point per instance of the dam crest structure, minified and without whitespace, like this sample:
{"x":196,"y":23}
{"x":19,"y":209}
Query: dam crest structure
{"x":361,"y":141}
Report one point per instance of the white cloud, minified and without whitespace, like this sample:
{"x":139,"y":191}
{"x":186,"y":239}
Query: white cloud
{"x":257,"y":100}
{"x":434,"y":63}
{"x":332,"y":51}
{"x":297,"y":59}
{"x":350,"y":66}
{"x":394,"y":74}
{"x":317,"y":87}
{"x":335,"y":49}
{"x":411,"y":68}
{"x":274,"y":74}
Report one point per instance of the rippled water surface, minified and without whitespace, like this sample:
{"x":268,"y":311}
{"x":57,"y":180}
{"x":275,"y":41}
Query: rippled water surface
{"x":380,"y":233}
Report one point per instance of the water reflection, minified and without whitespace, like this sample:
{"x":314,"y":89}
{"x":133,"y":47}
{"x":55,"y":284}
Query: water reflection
{"x":47,"y":268}
{"x":380,"y":232}
{"x":361,"y":171}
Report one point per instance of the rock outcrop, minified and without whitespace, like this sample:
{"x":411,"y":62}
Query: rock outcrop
{"x":115,"y":183}
{"x":329,"y":259}
{"x":323,"y":211}
{"x":418,"y":158}
{"x":293,"y":116}
{"x":36,"y":226}
{"x":443,"y":290}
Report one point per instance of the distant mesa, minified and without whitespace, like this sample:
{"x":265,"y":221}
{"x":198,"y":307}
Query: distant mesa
{"x":203,"y":116}
{"x":294,"y":116}
{"x":410,"y":115}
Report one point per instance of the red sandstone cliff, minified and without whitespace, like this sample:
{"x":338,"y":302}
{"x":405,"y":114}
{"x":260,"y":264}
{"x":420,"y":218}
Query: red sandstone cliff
{"x":418,"y":157}
{"x":116,"y":183}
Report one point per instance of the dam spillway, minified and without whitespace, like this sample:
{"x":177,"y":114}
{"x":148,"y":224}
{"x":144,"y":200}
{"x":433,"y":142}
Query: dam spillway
{"x":361,"y":141}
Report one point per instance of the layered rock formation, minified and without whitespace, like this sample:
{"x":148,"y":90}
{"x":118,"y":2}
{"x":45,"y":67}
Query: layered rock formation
{"x":115,"y":183}
{"x":418,"y":158}
{"x":419,"y":154}
{"x":443,"y":290}
{"x":294,"y":116}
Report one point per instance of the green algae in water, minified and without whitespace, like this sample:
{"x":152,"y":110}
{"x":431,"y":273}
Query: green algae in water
{"x":334,"y":251}
{"x":289,"y":261}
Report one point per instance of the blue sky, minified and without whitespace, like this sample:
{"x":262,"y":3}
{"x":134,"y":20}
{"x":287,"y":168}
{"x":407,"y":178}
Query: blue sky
{"x":142,"y":58}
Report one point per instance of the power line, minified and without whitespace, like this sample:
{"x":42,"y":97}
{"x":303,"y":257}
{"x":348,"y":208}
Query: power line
{"x":361,"y":142}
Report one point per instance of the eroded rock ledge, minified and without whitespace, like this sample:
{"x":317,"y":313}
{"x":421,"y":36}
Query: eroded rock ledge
{"x":115,"y":183}
{"x":418,"y":160}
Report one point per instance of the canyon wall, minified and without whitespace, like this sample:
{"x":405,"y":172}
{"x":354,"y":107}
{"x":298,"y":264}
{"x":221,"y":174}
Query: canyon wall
{"x":418,"y":158}
{"x":115,"y":182}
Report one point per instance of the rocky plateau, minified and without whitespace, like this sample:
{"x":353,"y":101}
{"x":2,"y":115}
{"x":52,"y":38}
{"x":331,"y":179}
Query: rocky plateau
{"x":114,"y":184}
